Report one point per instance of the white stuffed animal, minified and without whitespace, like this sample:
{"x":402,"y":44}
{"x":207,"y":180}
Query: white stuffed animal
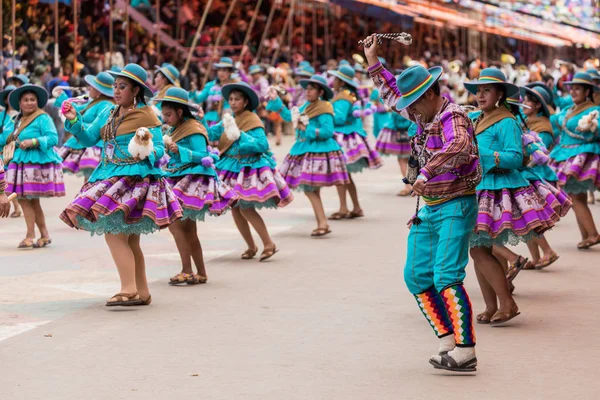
{"x":231,"y":129}
{"x":295,"y":116}
{"x":588,"y":123}
{"x":141,"y":145}
{"x":167,"y":140}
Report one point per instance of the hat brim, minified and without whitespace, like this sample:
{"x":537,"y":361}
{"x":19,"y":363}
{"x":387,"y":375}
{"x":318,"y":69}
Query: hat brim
{"x":343,"y":78}
{"x":3,"y":95}
{"x":15,"y":96}
{"x":166,"y":74}
{"x":218,"y":65}
{"x":300,"y":72}
{"x":190,"y":106}
{"x":91,"y":80}
{"x":147,"y":91}
{"x":510,"y":88}
{"x":528,"y":91}
{"x":251,"y":94}
{"x":405,"y":102}
{"x":327,"y":92}
{"x":571,"y":83}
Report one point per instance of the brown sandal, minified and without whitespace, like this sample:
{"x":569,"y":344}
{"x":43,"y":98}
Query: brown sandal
{"x":404,"y":192}
{"x":125,"y":300}
{"x":353,"y":214}
{"x":546,"y":261}
{"x":485,"y":317}
{"x":42,"y":242}
{"x":147,"y":301}
{"x":26,"y":243}
{"x":502,"y":317}
{"x":15,"y":214}
{"x":515,"y":268}
{"x":181,"y":279}
{"x":268,"y":253}
{"x":320,"y":232}
{"x":249,"y":254}
{"x":587,"y":243}
{"x":337,"y":216}
{"x":198,"y":279}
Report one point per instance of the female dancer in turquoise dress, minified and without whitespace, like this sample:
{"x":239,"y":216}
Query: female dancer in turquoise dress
{"x":76,"y":157}
{"x":194,"y":181}
{"x":34,"y":171}
{"x":510,"y":210}
{"x":538,"y":114}
{"x":126,"y":196}
{"x":352,"y":138}
{"x":246,"y":166}
{"x":576,"y":158}
{"x":6,"y":128}
{"x":316,"y":159}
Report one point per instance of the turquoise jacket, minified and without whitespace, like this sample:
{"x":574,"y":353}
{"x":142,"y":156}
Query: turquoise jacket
{"x":308,"y":141}
{"x":89,"y":134}
{"x":87,"y":118}
{"x":573,"y":142}
{"x":344,"y":121}
{"x":212,"y":88}
{"x":192,"y":150}
{"x":412,"y":129}
{"x":42,"y":128}
{"x":250,"y":150}
{"x":503,"y":138}
{"x":8,"y":127}
{"x":397,"y":122}
{"x":562,"y":102}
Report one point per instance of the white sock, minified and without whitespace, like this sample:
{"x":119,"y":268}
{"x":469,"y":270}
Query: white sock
{"x":447,"y":343}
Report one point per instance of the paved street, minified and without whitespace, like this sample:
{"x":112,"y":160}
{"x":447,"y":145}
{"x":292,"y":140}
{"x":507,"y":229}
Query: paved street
{"x":326,"y":318}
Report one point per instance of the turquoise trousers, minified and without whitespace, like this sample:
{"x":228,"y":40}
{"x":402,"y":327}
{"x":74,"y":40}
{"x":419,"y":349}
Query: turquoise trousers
{"x":438,"y":248}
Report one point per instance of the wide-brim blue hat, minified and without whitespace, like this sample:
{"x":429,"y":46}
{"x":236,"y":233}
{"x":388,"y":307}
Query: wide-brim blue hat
{"x":540,"y":95}
{"x":136,"y":74}
{"x":4,"y":94}
{"x":544,"y":87}
{"x":255,"y":69}
{"x":359,"y":68}
{"x":21,"y":78}
{"x":244,"y":88}
{"x":304,"y":71}
{"x":15,"y":96}
{"x":170,"y":72}
{"x":490,"y":76}
{"x":225,"y":62}
{"x":345,"y":73}
{"x":413,"y":82}
{"x":179,"y":96}
{"x":103,"y":82}
{"x":583,"y":78}
{"x":319,"y":81}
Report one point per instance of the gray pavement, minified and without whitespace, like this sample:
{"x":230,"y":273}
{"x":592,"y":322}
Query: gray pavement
{"x":327,"y":318}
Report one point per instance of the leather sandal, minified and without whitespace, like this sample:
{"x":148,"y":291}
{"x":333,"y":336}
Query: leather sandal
{"x":268,"y":253}
{"x":404,"y":192}
{"x":125,"y":300}
{"x":198,"y":279}
{"x":546,"y":261}
{"x":355,"y":214}
{"x":485,"y":317}
{"x":42,"y":242}
{"x":15,"y":214}
{"x":320,"y":232}
{"x":502,"y":317}
{"x":249,"y":254}
{"x":449,"y":364}
{"x":515,"y":268}
{"x":587,"y":243}
{"x":26,"y":243}
{"x":337,"y":216}
{"x":181,"y":279}
{"x":147,"y":301}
